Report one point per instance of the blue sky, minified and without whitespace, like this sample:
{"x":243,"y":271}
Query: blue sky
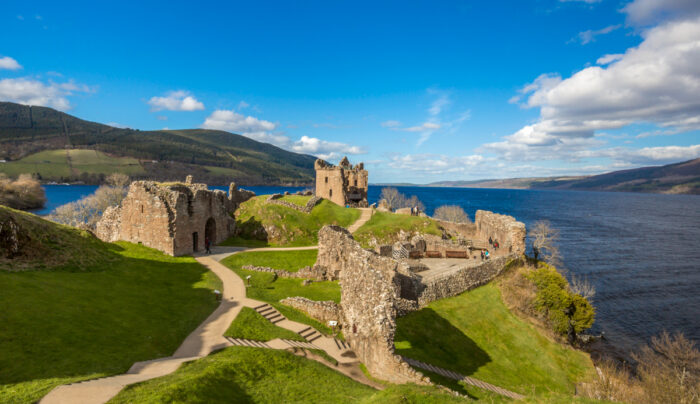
{"x":420,"y":91}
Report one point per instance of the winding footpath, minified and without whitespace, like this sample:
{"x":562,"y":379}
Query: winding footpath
{"x":206,"y":338}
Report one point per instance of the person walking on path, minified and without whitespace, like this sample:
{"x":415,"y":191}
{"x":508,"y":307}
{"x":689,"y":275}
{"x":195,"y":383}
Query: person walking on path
{"x":490,"y":241}
{"x":207,"y":245}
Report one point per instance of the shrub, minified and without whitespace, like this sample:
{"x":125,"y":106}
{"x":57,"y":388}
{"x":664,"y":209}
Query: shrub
{"x":23,"y":193}
{"x":555,"y":299}
{"x":451,"y":213}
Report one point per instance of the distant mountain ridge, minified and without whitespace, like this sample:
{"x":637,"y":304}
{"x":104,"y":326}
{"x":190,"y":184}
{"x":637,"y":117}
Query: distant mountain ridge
{"x":677,"y":178}
{"x":210,"y":155}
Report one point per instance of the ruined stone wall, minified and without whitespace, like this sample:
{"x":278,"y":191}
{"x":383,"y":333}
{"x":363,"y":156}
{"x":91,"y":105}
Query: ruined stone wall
{"x":323,"y":311}
{"x":303,"y":273}
{"x":462,"y":280}
{"x":369,"y":296}
{"x":509,"y":232}
{"x":174,"y":218}
{"x":310,"y":205}
{"x":464,"y":230}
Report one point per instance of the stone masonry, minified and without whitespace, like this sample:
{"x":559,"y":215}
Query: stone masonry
{"x":175,"y":218}
{"x":343,"y":184}
{"x":509,"y":232}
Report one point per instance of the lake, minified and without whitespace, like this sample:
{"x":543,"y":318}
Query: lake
{"x":640,"y":251}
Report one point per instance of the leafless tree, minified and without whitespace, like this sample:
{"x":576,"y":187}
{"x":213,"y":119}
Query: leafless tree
{"x":86,"y":212}
{"x":23,"y":193}
{"x":582,"y":287}
{"x":118,"y":180}
{"x":544,"y":242}
{"x":392,"y":196}
{"x":451,"y":213}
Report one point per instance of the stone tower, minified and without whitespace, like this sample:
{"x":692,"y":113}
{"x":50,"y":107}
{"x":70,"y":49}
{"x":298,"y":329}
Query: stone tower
{"x":343,"y":184}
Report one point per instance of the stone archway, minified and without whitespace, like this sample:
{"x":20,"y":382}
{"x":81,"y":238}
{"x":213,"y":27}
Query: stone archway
{"x":210,"y":230}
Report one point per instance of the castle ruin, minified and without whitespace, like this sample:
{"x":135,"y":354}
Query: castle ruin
{"x":344,"y":184}
{"x":175,"y":218}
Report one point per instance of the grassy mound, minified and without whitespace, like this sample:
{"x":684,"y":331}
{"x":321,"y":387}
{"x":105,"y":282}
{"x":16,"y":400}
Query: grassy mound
{"x":384,"y":227}
{"x":264,"y":224}
{"x":264,"y":286}
{"x":45,"y":245}
{"x":291,"y":261}
{"x":476,"y":335}
{"x":251,"y":325}
{"x":62,"y":326}
{"x":255,"y":375}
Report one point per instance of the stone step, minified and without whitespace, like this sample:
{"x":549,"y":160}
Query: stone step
{"x":299,"y":344}
{"x":256,"y":308}
{"x":247,"y":342}
{"x":342,"y":345}
{"x":266,"y":310}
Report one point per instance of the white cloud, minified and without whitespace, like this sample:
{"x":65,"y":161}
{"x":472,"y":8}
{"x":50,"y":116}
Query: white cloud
{"x":435,"y":164}
{"x":175,"y":101}
{"x":609,"y":58}
{"x":248,"y":126}
{"x":9,"y":64}
{"x":656,"y":82}
{"x":648,"y":12}
{"x":647,"y":155}
{"x":34,"y":92}
{"x":589,"y":36}
{"x":426,"y":126}
{"x":390,"y":124}
{"x":243,"y":105}
{"x":437,"y":105}
{"x":324,"y":149}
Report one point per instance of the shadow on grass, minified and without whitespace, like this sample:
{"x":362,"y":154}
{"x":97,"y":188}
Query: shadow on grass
{"x":425,"y":336}
{"x":99,"y":321}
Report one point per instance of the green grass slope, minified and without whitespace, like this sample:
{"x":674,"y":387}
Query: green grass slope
{"x":476,"y":335}
{"x":256,"y":375}
{"x":264,"y":286}
{"x":212,"y":156}
{"x":92,"y":314}
{"x":384,"y":227}
{"x":269,"y":224}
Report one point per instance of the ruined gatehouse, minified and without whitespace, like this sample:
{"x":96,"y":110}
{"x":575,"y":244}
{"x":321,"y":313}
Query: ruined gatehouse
{"x":175,"y":218}
{"x":343,"y":184}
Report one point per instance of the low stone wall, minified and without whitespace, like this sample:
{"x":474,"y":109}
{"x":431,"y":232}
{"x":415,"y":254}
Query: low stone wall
{"x":509,"y":233}
{"x":275,"y":199}
{"x":464,"y":230}
{"x":462,"y":280}
{"x":323,"y":311}
{"x":303,"y":273}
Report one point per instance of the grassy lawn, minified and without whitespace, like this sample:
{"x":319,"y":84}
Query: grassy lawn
{"x":385,"y":227}
{"x":257,"y":375}
{"x":251,"y":325}
{"x":291,"y":261}
{"x":264,"y":287}
{"x":126,"y":304}
{"x":476,"y":335}
{"x":299,"y":200}
{"x":281,"y":226}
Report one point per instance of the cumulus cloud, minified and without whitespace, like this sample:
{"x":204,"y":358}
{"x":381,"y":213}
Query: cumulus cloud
{"x":647,"y":155}
{"x":656,"y":82}
{"x":589,"y":36}
{"x":34,"y":92}
{"x":325,"y":149}
{"x":648,"y":12}
{"x":9,"y":63}
{"x":175,"y":101}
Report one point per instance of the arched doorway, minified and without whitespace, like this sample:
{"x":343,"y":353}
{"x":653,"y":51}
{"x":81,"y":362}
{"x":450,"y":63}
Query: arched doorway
{"x":210,"y":230}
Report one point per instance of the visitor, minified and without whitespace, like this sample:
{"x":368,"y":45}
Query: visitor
{"x":495,"y":244}
{"x":490,"y":241}
{"x":482,"y":255}
{"x":486,"y":254}
{"x":207,"y":245}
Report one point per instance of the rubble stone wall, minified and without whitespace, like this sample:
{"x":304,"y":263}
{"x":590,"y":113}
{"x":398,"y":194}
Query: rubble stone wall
{"x":303,"y":273}
{"x":369,"y":296}
{"x":509,"y":232}
{"x":460,"y":281}
{"x":175,"y":218}
{"x":323,"y":311}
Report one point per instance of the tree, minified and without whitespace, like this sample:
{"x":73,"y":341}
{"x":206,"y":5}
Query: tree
{"x":118,"y":180}
{"x":544,"y":239}
{"x":392,"y":196}
{"x":451,"y":213}
{"x":23,"y":193}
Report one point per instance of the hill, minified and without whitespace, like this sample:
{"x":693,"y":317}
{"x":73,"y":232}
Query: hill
{"x":678,"y":178}
{"x":61,"y":147}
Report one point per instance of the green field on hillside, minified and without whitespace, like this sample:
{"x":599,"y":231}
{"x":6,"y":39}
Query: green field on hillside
{"x":275,"y":225}
{"x":476,"y":335}
{"x":264,"y":286}
{"x":258,"y":375}
{"x":73,"y":162}
{"x":384,"y":227}
{"x":92,"y":316}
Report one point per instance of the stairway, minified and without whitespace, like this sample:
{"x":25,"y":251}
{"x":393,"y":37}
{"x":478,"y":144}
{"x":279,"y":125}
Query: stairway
{"x":310,"y":334}
{"x":270,"y":313}
{"x":342,"y":345}
{"x":299,"y":344}
{"x":247,"y":342}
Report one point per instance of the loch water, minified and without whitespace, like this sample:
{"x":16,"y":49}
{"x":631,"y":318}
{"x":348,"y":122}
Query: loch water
{"x":640,"y":251}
